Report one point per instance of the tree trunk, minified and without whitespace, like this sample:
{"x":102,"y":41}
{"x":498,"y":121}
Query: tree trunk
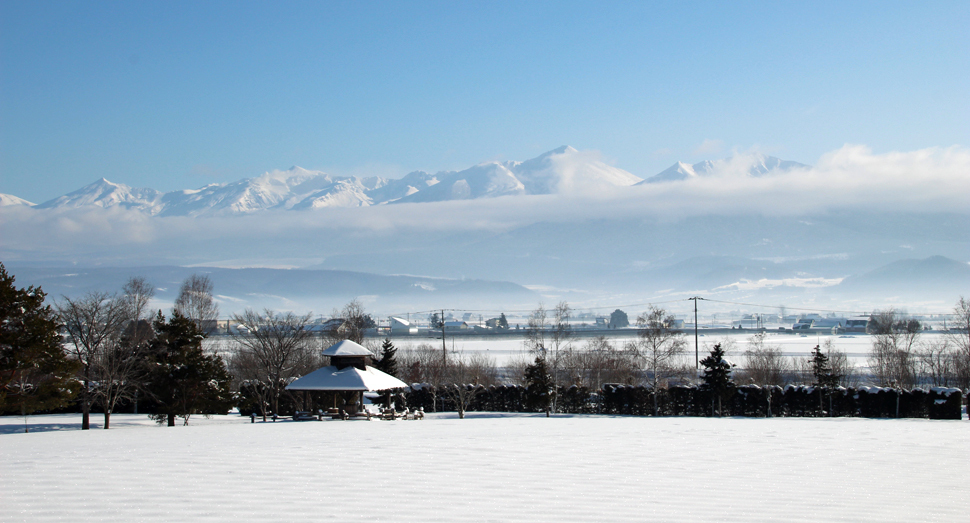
{"x":107,"y":418}
{"x":85,"y":408}
{"x":171,"y":420}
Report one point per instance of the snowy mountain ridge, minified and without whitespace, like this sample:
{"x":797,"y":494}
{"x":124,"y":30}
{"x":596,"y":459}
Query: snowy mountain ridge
{"x":560,"y":171}
{"x":755,"y":165}
{"x":9,"y":199}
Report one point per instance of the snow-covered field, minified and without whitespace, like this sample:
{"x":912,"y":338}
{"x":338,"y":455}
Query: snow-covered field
{"x":502,"y":350}
{"x":487,"y":467}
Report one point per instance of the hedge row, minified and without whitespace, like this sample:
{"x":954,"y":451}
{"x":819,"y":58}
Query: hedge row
{"x":746,"y":400}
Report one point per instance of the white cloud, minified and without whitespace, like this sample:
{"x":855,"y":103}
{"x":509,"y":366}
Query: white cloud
{"x":709,"y":146}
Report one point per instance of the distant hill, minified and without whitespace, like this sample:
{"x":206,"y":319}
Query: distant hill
{"x":912,"y":277}
{"x":300,"y":289}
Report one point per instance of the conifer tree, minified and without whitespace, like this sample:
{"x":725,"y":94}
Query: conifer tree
{"x":717,"y":377}
{"x":540,"y":390}
{"x":184,"y":380}
{"x":35,"y":373}
{"x":388,"y":361}
{"x":824,"y":377}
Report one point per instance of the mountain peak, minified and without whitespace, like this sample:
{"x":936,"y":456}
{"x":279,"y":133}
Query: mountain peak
{"x":754,"y":164}
{"x":9,"y":199}
{"x":564,"y":149}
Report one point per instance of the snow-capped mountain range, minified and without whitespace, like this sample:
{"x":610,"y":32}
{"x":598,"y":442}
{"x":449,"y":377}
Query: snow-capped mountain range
{"x":562,"y":170}
{"x":753,"y":165}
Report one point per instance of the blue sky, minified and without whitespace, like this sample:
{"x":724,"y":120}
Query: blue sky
{"x":177,"y":95}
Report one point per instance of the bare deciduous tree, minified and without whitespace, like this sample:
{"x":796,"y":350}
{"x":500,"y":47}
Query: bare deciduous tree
{"x":560,"y":342}
{"x":936,"y":364}
{"x":466,"y":377}
{"x":891,"y":358}
{"x":355,"y":322}
{"x":658,"y":345}
{"x":423,"y":364}
{"x":958,"y":336}
{"x":535,"y":331}
{"x":599,"y":362}
{"x":93,"y":323}
{"x":764,"y":364}
{"x":121,"y":365}
{"x":196,"y":303}
{"x":273,"y":348}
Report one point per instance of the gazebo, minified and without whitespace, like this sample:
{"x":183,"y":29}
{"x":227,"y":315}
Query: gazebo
{"x":349,"y":371}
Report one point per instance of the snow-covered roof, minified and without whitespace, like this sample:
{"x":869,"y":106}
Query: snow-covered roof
{"x":347,"y":348}
{"x":349,"y":378}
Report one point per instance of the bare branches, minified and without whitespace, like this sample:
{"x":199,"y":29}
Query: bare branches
{"x":891,"y":358}
{"x":599,"y":362}
{"x":195,"y":302}
{"x":274,"y":348}
{"x":467,"y":376}
{"x":535,"y":331}
{"x":349,"y":323}
{"x":764,"y":364}
{"x":658,"y":345}
{"x":93,"y":323}
{"x":959,"y":338}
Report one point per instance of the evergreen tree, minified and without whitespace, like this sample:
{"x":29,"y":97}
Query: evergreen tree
{"x":503,"y":322}
{"x":183,"y":379}
{"x":540,"y":390}
{"x":824,"y":377}
{"x":388,"y":361}
{"x":717,"y":377}
{"x":35,"y":373}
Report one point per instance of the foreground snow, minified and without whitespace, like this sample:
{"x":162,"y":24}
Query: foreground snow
{"x":488,"y":467}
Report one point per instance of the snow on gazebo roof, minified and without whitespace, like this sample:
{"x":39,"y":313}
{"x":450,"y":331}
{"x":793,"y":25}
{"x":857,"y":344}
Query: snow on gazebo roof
{"x":349,"y":378}
{"x":347,"y":348}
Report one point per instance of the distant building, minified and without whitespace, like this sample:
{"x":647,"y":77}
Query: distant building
{"x":402,"y":326}
{"x":857,"y":324}
{"x":455,"y":325}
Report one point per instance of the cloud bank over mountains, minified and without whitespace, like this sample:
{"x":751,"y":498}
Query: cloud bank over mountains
{"x":853,"y":176}
{"x":565,"y":219}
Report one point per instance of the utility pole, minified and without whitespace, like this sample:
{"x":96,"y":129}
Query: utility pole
{"x":697,"y":352}
{"x":444,"y":347}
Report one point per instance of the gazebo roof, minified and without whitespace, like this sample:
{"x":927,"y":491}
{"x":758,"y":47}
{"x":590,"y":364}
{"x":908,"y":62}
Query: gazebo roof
{"x":347,"y":348}
{"x":349,"y":378}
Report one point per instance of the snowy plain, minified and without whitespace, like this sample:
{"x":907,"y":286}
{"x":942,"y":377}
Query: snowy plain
{"x":502,"y":350}
{"x":487,"y":467}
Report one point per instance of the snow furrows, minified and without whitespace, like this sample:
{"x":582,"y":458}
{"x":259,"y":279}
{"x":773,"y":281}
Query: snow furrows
{"x":490,"y":467}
